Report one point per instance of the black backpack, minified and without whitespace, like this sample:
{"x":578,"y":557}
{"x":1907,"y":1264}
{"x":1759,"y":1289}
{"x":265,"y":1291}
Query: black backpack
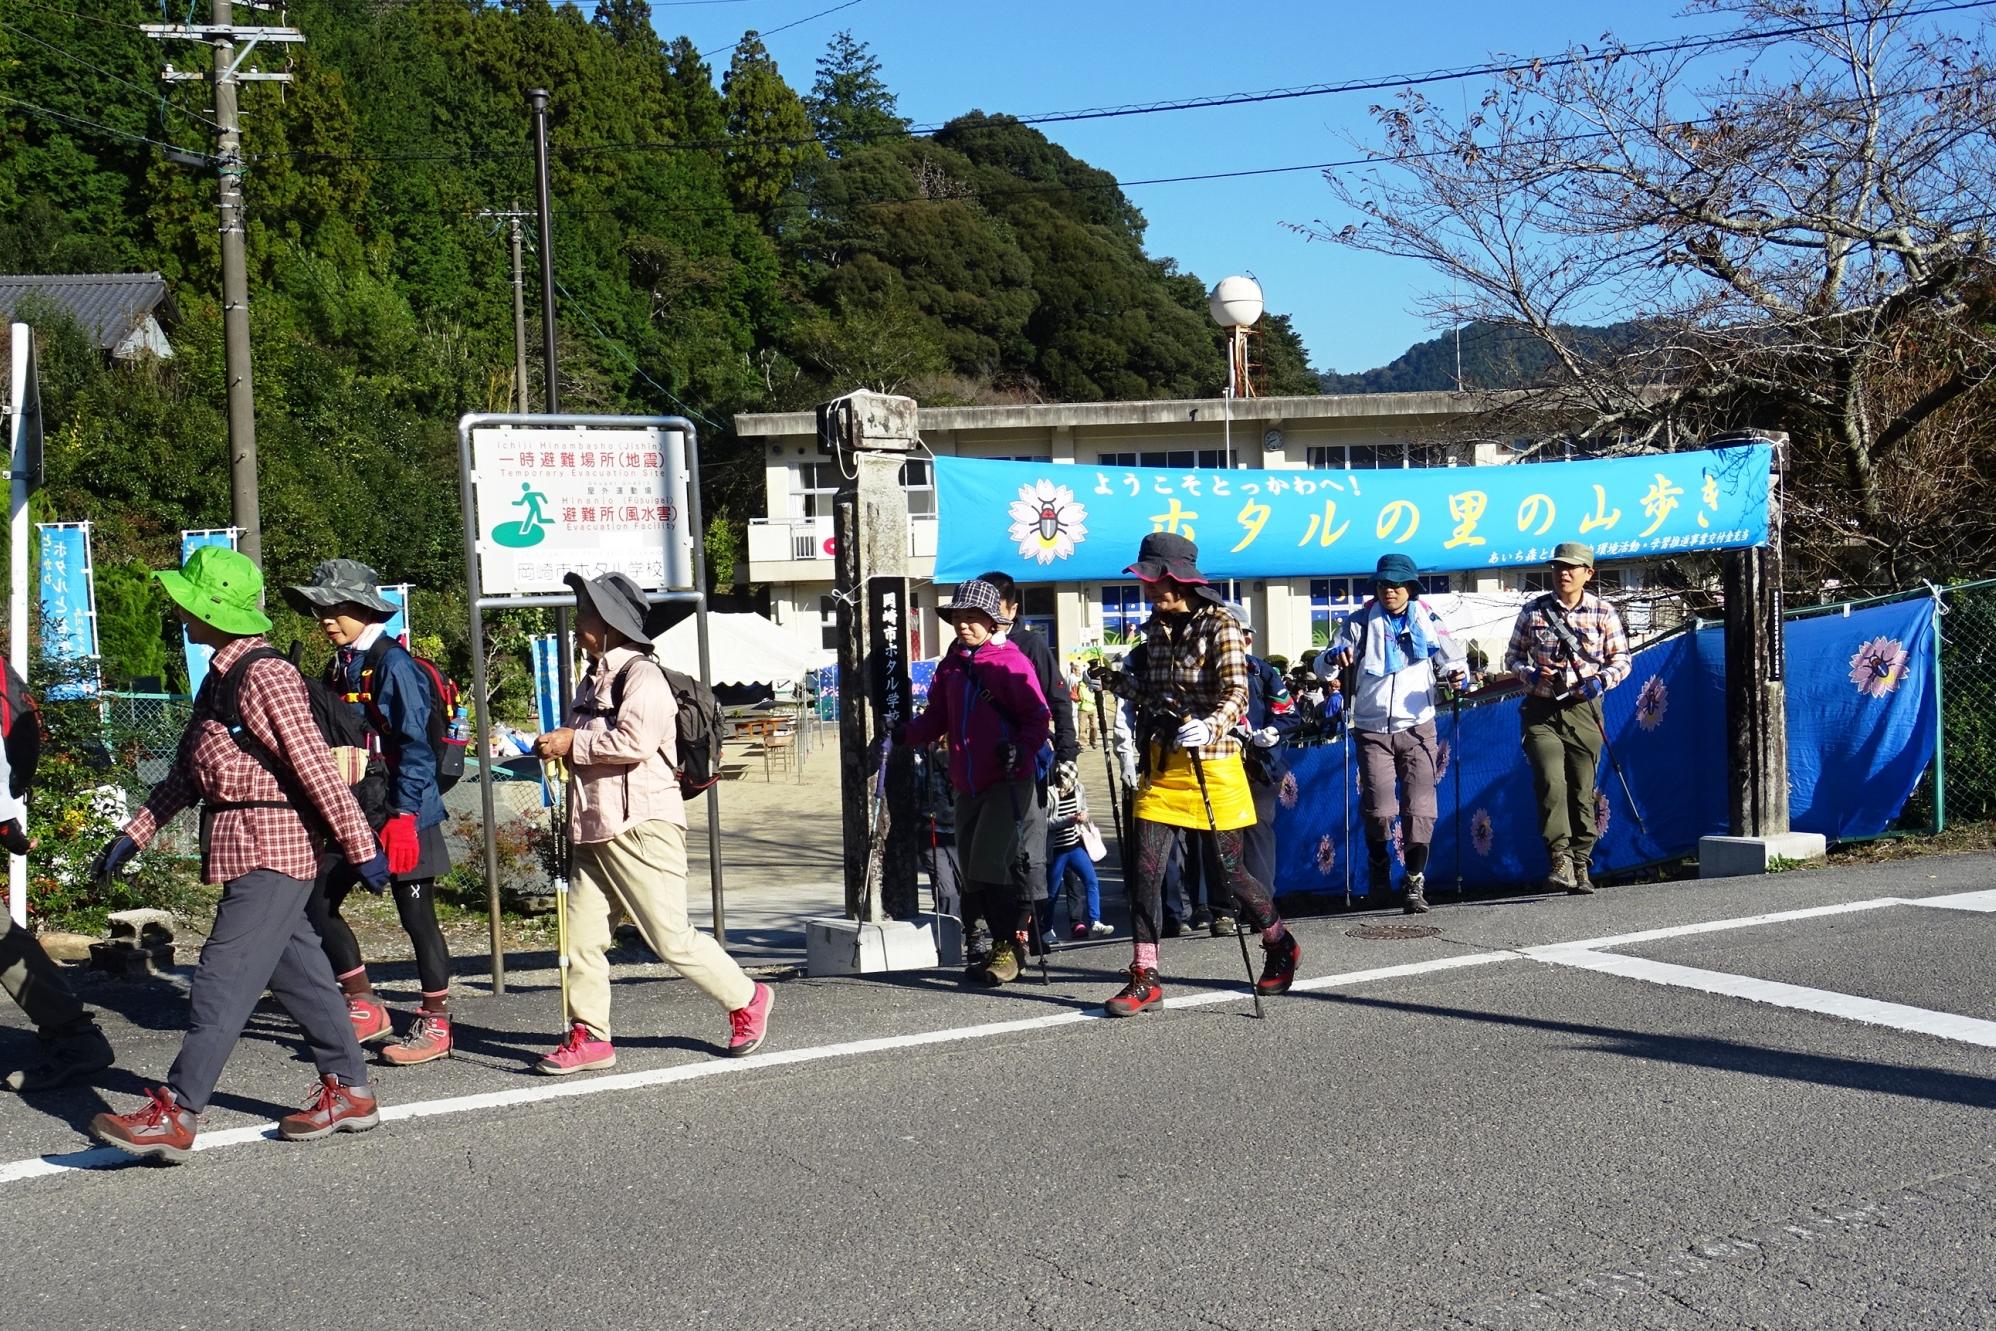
{"x":698,"y":721}
{"x":443,"y":690}
{"x":342,"y":728}
{"x":21,"y":729}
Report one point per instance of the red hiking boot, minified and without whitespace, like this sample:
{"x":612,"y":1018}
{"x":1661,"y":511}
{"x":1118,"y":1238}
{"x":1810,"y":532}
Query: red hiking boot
{"x":332,"y":1108}
{"x":161,"y":1129}
{"x":369,"y":1017}
{"x":1141,"y":994}
{"x":1278,"y":968}
{"x":749,"y":1025}
{"x":427,"y":1040}
{"x":579,"y":1051}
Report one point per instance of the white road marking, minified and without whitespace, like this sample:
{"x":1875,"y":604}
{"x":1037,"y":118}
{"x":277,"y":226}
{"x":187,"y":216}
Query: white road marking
{"x":1871,"y":1011}
{"x":1979,"y":901}
{"x":1719,"y":926}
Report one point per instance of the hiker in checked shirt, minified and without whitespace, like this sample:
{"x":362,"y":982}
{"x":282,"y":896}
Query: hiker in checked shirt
{"x":1567,"y":648}
{"x":255,"y":761}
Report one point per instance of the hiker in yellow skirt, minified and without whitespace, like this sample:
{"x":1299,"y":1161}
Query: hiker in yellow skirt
{"x":1191,"y":681}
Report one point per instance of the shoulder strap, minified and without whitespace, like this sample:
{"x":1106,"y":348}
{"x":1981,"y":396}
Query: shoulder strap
{"x":617,"y":680}
{"x":1555,"y":615}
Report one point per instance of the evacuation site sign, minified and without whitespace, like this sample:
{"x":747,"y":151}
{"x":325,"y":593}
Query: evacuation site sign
{"x":1050,"y":522}
{"x":551,"y":500}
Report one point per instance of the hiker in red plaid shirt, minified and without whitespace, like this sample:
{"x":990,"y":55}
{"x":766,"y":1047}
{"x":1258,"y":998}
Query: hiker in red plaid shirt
{"x":271,"y":794}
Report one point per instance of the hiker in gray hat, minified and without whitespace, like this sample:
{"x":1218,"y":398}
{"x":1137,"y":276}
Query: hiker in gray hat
{"x":1389,"y":652}
{"x":403,"y":706}
{"x":627,"y":830}
{"x":1567,"y":648}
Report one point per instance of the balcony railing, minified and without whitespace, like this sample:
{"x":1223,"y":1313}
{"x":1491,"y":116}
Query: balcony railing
{"x":791,"y":540}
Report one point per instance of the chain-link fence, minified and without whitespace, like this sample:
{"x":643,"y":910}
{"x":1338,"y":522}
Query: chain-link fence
{"x":1964,"y":781}
{"x":142,"y":732}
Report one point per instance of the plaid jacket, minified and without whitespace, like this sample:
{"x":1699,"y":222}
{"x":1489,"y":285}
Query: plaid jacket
{"x":1538,"y":657}
{"x":1203,"y":659}
{"x":211,"y":767}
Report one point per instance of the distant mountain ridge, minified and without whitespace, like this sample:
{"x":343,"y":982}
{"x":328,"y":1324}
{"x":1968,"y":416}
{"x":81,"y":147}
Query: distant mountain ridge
{"x":1492,"y":357}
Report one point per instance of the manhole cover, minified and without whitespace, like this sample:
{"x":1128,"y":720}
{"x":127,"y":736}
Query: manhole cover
{"x":1392,"y":933}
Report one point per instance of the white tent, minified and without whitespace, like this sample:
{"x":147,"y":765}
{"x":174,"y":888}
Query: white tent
{"x":744,"y":649}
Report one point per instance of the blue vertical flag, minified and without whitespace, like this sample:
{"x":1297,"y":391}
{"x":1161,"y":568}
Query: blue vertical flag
{"x":197,"y":657}
{"x":397,"y":627}
{"x":547,"y":692}
{"x":69,"y":609}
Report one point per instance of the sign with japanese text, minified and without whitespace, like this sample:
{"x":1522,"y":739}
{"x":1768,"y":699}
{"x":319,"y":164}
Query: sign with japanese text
{"x":887,"y":649}
{"x":1048,"y":522}
{"x":551,"y":500}
{"x":69,"y":610}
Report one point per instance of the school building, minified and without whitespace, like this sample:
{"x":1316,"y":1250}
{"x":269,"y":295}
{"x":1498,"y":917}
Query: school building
{"x":790,"y":546}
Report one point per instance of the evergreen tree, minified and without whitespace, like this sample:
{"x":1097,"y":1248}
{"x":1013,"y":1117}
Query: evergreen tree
{"x":769,"y":133}
{"x":850,"y":103}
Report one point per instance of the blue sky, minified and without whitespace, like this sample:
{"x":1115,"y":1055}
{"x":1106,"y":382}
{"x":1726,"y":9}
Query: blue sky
{"x":943,"y":59}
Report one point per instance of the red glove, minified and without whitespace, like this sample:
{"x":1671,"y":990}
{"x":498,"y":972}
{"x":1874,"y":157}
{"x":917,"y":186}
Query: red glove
{"x":398,"y":838}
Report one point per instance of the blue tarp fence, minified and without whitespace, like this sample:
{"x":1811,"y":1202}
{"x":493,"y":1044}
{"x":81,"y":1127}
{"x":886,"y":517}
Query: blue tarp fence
{"x":1863,"y":722}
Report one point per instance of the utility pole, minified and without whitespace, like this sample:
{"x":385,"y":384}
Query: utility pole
{"x":512,"y":217}
{"x":537,"y":101}
{"x":222,"y":33}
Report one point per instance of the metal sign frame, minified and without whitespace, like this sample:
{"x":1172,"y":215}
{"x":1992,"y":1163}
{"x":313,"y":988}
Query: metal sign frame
{"x":479,"y":603}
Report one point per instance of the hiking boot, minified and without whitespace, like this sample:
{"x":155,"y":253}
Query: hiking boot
{"x":1141,"y":994}
{"x":77,"y":1052}
{"x":1173,"y":927}
{"x":332,"y":1108}
{"x":1582,"y":883}
{"x":1379,"y":878}
{"x":1417,"y":899}
{"x":1278,"y":966}
{"x":1561,"y":878}
{"x":1079,"y":933}
{"x":427,"y":1040}
{"x":1005,"y":964}
{"x":1224,"y":926}
{"x":1101,"y":929}
{"x":161,"y":1130}
{"x":749,"y":1025}
{"x":370,"y":1019}
{"x":579,"y":1051}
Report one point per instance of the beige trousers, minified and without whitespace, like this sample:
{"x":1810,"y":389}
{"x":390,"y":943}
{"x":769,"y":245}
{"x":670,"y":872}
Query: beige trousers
{"x":643,"y":869}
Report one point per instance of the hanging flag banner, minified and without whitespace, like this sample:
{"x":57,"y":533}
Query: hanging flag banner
{"x":1046,"y":522}
{"x":397,"y":627}
{"x":547,"y":694}
{"x":197,"y":656}
{"x":69,"y":610}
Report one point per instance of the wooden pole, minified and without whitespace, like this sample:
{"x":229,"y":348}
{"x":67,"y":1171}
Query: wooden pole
{"x":1756,"y":666}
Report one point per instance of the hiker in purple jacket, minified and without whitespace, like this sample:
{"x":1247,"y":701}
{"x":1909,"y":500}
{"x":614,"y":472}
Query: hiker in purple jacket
{"x":986,"y":700}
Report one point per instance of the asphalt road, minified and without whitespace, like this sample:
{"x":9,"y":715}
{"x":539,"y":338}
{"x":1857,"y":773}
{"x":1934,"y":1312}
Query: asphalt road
{"x":1501,"y":1130}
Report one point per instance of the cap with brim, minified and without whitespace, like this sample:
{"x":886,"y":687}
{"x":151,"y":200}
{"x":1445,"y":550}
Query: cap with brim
{"x":1398,"y":569}
{"x":1574,"y":553}
{"x":220,"y":587}
{"x":617,"y":601}
{"x":979,"y":595}
{"x":1165,"y":554}
{"x":338,"y":582}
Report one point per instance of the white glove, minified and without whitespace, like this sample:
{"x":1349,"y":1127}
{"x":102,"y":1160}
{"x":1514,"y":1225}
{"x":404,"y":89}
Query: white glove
{"x":1265,"y":738}
{"x":1130,"y":770}
{"x":1194,"y":733}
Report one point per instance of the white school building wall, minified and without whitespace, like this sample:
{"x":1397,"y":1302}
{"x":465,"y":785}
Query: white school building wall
{"x":790,"y":550}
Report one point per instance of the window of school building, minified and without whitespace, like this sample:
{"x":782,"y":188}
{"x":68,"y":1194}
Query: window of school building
{"x":1209,"y":459}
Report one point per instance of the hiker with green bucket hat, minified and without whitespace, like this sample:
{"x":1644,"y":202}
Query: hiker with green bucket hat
{"x":271,"y":795}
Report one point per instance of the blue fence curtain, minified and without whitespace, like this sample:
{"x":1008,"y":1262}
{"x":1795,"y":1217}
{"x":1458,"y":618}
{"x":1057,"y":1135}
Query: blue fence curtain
{"x":1862,"y":728}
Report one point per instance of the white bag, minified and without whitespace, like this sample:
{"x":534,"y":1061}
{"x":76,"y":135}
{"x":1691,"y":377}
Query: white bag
{"x":1091,"y":841}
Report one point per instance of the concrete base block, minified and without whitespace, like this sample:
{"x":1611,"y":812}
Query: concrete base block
{"x":848,"y":947}
{"x":1740,"y":856}
{"x":948,"y":932}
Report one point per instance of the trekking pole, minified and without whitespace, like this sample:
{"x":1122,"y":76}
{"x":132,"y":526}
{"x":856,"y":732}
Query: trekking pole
{"x":1109,"y":767}
{"x":557,"y":774}
{"x":1344,"y":799}
{"x":1608,"y":748}
{"x":1213,"y":826}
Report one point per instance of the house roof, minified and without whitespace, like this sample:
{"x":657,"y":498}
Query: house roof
{"x":108,"y":306}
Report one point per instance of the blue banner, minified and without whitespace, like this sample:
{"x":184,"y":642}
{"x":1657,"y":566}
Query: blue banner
{"x":547,"y":681}
{"x":197,"y":656}
{"x":1863,"y":719}
{"x":397,"y":627}
{"x":69,"y":609}
{"x":1049,"y":522}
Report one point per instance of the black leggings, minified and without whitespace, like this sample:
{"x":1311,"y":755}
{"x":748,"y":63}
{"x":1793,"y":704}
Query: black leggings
{"x":413,"y":902}
{"x":1154,"y":842}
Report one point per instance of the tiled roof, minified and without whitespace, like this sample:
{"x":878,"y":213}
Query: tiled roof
{"x":108,"y":306}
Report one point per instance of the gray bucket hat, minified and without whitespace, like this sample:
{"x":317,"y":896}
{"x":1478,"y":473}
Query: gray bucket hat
{"x":337,"y":582}
{"x":617,"y":600}
{"x":979,"y":595}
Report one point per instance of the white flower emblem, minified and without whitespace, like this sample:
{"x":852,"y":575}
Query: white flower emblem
{"x":1047,"y":521}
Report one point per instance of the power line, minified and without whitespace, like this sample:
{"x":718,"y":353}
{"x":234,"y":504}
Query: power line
{"x":127,"y":135}
{"x":617,"y":346}
{"x":784,"y":28}
{"x":96,"y":19}
{"x":153,"y":93}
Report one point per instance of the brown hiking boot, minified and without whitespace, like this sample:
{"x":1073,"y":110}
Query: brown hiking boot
{"x":427,"y":1040}
{"x":161,"y":1129}
{"x":75,"y":1053}
{"x":1561,"y":878}
{"x":1417,"y":895}
{"x":1005,"y":963}
{"x":332,"y":1108}
{"x":1582,"y":884}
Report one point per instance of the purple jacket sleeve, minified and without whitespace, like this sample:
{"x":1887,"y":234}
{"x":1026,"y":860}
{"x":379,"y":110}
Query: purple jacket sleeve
{"x":1023,"y":701}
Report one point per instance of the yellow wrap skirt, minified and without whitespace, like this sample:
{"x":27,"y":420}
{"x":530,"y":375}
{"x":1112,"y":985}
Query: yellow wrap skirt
{"x":1171,"y":795}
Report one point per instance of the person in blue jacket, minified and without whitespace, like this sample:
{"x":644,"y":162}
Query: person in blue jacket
{"x":376,"y":675}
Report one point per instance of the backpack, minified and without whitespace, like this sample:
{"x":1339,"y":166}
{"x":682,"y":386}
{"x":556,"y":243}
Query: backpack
{"x":345,"y":733}
{"x":444,"y":699}
{"x":698,"y":721}
{"x":21,"y":727}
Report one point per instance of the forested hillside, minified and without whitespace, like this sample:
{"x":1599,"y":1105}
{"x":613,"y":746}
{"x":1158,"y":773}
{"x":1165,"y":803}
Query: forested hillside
{"x":727,"y":238}
{"x":1486,"y":356}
